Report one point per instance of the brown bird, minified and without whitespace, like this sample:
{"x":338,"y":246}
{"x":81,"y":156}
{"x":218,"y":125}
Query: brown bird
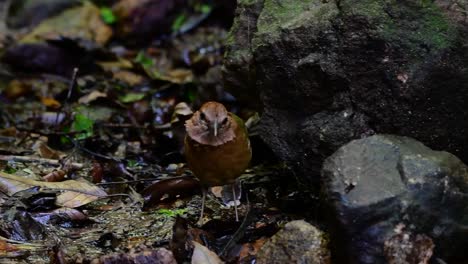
{"x":217,"y":147}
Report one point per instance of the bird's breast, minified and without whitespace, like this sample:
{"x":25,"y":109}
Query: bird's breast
{"x":218,"y":165}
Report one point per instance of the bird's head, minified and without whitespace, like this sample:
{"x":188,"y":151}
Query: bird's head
{"x":211,"y":125}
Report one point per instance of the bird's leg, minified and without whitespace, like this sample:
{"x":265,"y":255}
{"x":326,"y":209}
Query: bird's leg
{"x":235,"y":201}
{"x":203,"y":203}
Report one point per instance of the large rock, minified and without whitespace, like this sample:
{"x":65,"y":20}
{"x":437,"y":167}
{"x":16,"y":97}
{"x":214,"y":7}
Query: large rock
{"x":326,"y":72}
{"x":384,"y":186}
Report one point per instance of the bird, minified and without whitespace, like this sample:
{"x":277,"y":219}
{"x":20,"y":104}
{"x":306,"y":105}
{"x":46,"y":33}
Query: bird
{"x":217,"y":148}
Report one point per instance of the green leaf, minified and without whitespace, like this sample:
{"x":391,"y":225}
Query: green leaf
{"x":172,"y":213}
{"x":190,"y":95}
{"x":178,"y":22}
{"x":131,"y":97}
{"x":132,"y":163}
{"x":144,"y":60}
{"x":83,"y":124}
{"x":205,"y":9}
{"x":10,"y":170}
{"x":108,"y":16}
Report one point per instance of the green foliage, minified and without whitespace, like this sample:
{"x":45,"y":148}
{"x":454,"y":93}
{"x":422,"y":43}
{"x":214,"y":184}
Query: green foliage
{"x":131,"y":97}
{"x":10,"y":170}
{"x":172,"y":213}
{"x":108,"y":16}
{"x":178,"y":22}
{"x":132,"y":163}
{"x":83,"y":124}
{"x":190,"y":94}
{"x":203,"y":8}
{"x":144,"y":60}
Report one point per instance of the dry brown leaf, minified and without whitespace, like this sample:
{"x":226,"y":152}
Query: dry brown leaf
{"x":117,"y":65}
{"x":55,"y":176}
{"x":202,"y":255}
{"x":45,"y":151}
{"x":10,"y":186}
{"x":128,"y":77}
{"x":251,"y":249}
{"x":124,"y":8}
{"x":181,"y":109}
{"x":7,"y":247}
{"x":82,"y":22}
{"x":16,"y":88}
{"x":50,"y":102}
{"x":178,"y":76}
{"x":92,"y":96}
{"x":75,"y":192}
{"x":217,"y":191}
{"x":72,"y":199}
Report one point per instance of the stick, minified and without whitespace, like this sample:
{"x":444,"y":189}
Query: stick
{"x":53,"y":162}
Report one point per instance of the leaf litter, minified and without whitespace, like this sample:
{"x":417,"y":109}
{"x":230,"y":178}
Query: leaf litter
{"x":93,"y":99}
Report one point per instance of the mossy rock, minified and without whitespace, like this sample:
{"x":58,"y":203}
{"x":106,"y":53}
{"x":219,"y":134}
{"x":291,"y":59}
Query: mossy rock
{"x":326,"y":72}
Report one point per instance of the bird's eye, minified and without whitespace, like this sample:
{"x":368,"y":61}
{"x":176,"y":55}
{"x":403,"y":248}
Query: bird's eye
{"x":225,"y":120}
{"x":202,"y":116}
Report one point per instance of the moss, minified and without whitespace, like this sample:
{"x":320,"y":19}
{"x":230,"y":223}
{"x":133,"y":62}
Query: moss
{"x":432,"y":30}
{"x":238,"y":46}
{"x":413,"y":23}
{"x":277,"y":15}
{"x":246,"y":2}
{"x":436,"y":29}
{"x":372,"y":9}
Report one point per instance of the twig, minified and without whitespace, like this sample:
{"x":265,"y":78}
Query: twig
{"x":19,"y":242}
{"x":124,"y":182}
{"x":123,"y":125}
{"x":73,"y":165}
{"x":164,"y":127}
{"x":70,"y":89}
{"x":48,"y":133}
{"x":72,"y":83}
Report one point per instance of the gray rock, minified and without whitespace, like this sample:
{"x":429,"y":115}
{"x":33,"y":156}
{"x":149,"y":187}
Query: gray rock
{"x":327,"y":72}
{"x":381,"y":182}
{"x":298,"y":242}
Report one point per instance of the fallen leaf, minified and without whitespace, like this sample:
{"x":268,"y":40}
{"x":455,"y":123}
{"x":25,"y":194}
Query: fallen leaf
{"x":50,"y":102}
{"x":202,"y":255}
{"x":16,"y":89}
{"x":83,"y":22}
{"x":108,"y":16}
{"x":55,"y":176}
{"x":131,"y":97}
{"x":92,"y":96}
{"x":178,"y":76}
{"x":181,"y":110}
{"x":112,"y":66}
{"x":180,"y":244}
{"x":7,"y":247}
{"x":128,"y":77}
{"x":169,"y":190}
{"x":44,"y":151}
{"x":75,"y":192}
{"x":158,"y":255}
{"x":11,"y":248}
{"x":251,"y":249}
{"x":83,"y":124}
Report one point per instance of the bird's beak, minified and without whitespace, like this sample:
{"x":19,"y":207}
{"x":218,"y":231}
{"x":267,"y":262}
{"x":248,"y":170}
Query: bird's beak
{"x":215,"y":128}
